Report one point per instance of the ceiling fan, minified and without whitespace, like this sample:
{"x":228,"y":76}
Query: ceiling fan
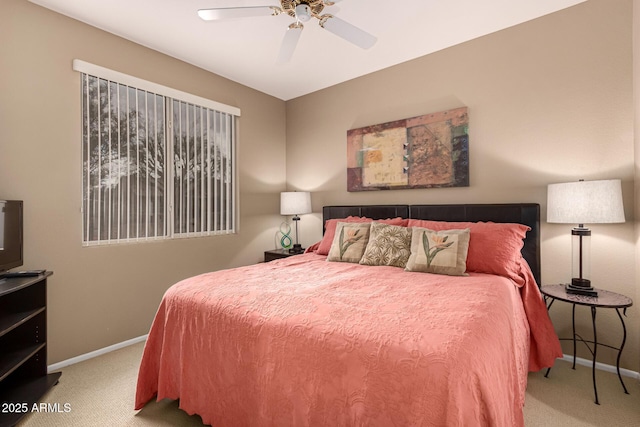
{"x":302,"y":11}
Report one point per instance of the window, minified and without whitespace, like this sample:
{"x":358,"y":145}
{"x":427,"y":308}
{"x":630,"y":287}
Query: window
{"x":157,"y":163}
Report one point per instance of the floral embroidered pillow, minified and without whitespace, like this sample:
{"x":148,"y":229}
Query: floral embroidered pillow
{"x":494,"y":248}
{"x":330,"y":229}
{"x":440,"y":252}
{"x":349,"y":242}
{"x":388,"y":245}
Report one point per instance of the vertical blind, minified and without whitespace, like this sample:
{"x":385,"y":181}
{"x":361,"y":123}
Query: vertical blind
{"x":154,"y":167}
{"x":203,"y":179}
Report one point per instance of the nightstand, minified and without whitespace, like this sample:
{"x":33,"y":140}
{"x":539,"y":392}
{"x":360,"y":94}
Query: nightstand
{"x":276,"y":254}
{"x":605,"y":299}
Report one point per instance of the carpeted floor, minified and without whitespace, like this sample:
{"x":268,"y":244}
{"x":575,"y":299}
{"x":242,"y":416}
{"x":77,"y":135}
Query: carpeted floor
{"x":100,"y":392}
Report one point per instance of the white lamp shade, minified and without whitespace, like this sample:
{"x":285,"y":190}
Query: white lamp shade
{"x":295,"y":203}
{"x":585,"y":202}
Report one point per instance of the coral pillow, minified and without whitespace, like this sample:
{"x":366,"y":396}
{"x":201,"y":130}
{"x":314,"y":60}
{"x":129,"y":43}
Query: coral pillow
{"x":494,"y":248}
{"x":330,"y":229}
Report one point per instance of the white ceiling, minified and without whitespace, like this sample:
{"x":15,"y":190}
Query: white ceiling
{"x":245,"y":50}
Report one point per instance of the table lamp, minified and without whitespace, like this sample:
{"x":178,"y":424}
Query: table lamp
{"x":584,"y":202}
{"x":295,"y":203}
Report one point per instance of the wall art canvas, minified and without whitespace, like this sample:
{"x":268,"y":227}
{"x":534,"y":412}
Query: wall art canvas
{"x":421,"y":152}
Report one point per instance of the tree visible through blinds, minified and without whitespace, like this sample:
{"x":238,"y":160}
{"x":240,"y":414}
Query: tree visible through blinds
{"x":129,"y":186}
{"x":203,"y":151}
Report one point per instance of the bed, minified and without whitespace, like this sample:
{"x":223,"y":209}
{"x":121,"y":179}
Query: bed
{"x":313,"y":340}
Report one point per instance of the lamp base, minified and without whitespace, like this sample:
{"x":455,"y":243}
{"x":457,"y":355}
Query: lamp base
{"x":581,"y":287}
{"x":581,"y":283}
{"x":296,"y":249}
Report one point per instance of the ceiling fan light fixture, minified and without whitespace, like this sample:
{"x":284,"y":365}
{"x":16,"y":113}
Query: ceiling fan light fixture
{"x":303,"y":12}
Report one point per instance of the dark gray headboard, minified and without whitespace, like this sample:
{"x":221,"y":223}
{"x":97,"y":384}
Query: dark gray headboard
{"x":519,"y":213}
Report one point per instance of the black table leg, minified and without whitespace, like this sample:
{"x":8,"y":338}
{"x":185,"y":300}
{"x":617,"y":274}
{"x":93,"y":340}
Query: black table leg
{"x":624,"y":340}
{"x":573,"y":325}
{"x":550,"y":302}
{"x":595,"y":350}
{"x":546,"y":375}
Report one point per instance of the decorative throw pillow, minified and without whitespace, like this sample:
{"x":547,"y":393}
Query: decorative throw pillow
{"x":441,"y":252}
{"x":494,"y":248}
{"x":388,"y":245}
{"x":330,"y":229}
{"x":349,"y":242}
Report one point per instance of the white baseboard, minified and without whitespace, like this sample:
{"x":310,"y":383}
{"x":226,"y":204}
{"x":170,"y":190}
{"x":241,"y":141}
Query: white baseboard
{"x":602,"y":366}
{"x":91,"y":355}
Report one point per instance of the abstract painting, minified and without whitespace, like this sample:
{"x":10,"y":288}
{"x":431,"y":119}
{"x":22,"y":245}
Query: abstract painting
{"x":420,"y":152}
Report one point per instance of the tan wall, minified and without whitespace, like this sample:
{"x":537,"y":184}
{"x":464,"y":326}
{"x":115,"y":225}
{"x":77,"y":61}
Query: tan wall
{"x":104,"y":295}
{"x":636,"y":135}
{"x":549,"y":101}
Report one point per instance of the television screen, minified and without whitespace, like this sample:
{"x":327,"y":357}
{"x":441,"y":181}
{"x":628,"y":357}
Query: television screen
{"x":10,"y":234}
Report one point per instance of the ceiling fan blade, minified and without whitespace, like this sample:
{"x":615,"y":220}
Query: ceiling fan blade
{"x":237,"y":12}
{"x":347,"y":31}
{"x":290,"y":42}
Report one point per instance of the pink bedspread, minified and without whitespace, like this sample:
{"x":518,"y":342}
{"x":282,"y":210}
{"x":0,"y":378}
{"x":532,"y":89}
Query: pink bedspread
{"x":305,"y":342}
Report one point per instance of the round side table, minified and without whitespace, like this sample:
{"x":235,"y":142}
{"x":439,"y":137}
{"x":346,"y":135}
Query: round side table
{"x":605,"y":299}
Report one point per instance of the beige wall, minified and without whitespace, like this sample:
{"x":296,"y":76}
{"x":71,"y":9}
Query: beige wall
{"x":636,"y":139}
{"x":549,"y":101}
{"x":104,"y":295}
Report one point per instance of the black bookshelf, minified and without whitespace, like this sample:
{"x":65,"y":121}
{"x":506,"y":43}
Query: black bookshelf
{"x":23,"y":346}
